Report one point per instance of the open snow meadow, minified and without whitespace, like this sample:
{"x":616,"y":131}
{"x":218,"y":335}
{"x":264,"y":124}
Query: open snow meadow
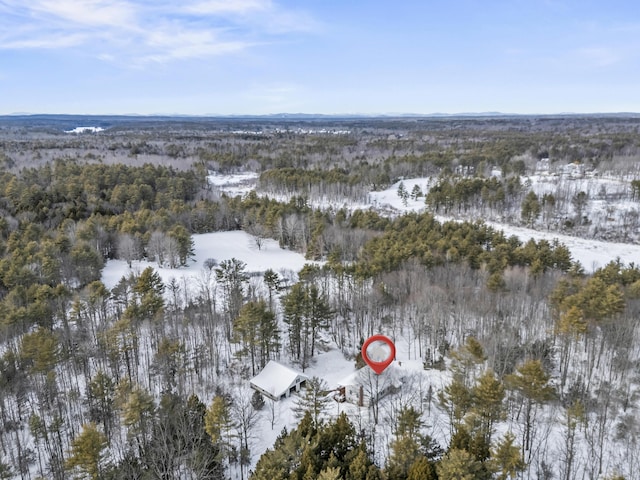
{"x":218,"y":246}
{"x":591,"y":253}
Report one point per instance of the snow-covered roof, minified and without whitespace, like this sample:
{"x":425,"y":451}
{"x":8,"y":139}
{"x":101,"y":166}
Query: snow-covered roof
{"x":395,"y":371}
{"x":276,"y":379}
{"x":352,"y":379}
{"x":359,"y":377}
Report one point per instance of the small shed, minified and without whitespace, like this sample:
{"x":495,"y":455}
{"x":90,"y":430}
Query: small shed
{"x":277,"y":381}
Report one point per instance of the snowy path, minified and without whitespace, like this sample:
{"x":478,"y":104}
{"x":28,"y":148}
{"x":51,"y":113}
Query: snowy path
{"x":591,"y":254}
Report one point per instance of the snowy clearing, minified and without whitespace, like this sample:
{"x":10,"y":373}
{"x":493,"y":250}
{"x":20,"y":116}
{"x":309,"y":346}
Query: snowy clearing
{"x":85,"y":130}
{"x":219,"y":246}
{"x":591,"y":254}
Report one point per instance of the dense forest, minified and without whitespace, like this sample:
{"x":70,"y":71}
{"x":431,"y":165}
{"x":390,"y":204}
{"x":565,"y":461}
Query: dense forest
{"x":536,"y":355}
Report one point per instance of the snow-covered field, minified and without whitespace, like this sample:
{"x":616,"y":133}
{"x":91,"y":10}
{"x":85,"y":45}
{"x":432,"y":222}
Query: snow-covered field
{"x":591,"y":253}
{"x":219,"y":246}
{"x":234,"y":184}
{"x":85,"y":130}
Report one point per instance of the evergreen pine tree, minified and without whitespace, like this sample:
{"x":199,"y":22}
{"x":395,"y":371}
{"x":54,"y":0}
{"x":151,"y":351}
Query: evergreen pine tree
{"x":404,"y":452}
{"x":488,"y":395}
{"x":256,"y":329}
{"x":530,"y":208}
{"x":531,"y":382}
{"x":329,"y":473}
{"x":459,"y":465}
{"x":403,"y":194}
{"x":359,"y":465}
{"x":294,"y":305}
{"x":150,"y":291}
{"x":506,"y":458}
{"x":272,"y":281}
{"x":374,"y":473}
{"x":314,"y":400}
{"x":101,"y":401}
{"x":231,"y":275}
{"x":456,"y":398}
{"x":184,"y":242}
{"x":137,"y":414}
{"x":416,"y":192}
{"x":410,"y":445}
{"x":422,"y":469}
{"x":336,"y":441}
{"x":218,"y":422}
{"x":87,"y":451}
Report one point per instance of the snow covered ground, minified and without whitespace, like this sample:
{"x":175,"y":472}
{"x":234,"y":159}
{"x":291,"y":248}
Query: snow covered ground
{"x":85,"y":130}
{"x":219,"y":246}
{"x":591,"y":253}
{"x":332,"y":366}
{"x":234,"y":184}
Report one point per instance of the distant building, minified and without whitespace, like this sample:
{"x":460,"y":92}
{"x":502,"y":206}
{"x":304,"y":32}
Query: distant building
{"x":496,"y":172}
{"x":573,"y":170}
{"x":465,"y":170}
{"x":277,"y":381}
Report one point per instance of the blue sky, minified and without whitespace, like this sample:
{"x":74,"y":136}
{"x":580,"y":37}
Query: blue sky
{"x":319,"y":56}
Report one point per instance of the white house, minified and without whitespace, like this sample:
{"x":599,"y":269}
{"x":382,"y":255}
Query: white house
{"x":363,"y":385}
{"x":277,"y":381}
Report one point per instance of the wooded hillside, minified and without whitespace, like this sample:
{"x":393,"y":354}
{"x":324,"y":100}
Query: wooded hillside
{"x":149,"y":378}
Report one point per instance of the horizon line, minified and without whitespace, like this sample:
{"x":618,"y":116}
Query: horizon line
{"x":292,"y":115}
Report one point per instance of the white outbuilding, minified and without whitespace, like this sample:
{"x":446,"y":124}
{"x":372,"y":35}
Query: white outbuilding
{"x":277,"y":381}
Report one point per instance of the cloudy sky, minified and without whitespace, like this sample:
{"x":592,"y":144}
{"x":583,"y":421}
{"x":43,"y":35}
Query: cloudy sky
{"x":319,"y":56}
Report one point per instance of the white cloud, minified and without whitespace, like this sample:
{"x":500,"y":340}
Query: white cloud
{"x":262,"y":14}
{"x":165,"y":45}
{"x":50,"y":42}
{"x":88,"y":13}
{"x":290,"y":21}
{"x":218,"y":7}
{"x":138,"y":31}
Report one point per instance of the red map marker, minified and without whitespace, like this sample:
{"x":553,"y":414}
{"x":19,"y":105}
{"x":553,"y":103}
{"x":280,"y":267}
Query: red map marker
{"x":378,"y":367}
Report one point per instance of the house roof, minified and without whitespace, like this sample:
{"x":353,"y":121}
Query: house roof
{"x":394,"y":372}
{"x":276,"y":378}
{"x":361,"y":376}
